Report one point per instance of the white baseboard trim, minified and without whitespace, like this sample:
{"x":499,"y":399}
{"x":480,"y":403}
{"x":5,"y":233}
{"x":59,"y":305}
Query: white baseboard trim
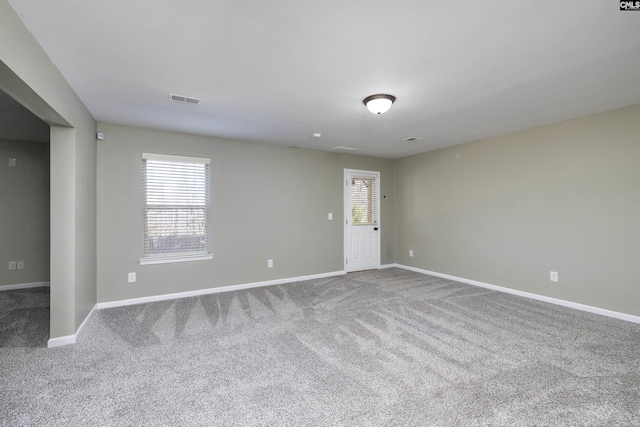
{"x":155,"y":298}
{"x":86,"y":319}
{"x":385,"y":266}
{"x":564,"y":303}
{"x":70,"y":339}
{"x":57,"y":342}
{"x":23,"y":286}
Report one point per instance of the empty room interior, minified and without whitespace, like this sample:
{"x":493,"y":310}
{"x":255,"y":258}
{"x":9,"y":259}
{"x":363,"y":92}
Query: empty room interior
{"x":319,"y":213}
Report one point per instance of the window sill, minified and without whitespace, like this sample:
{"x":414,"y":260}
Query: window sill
{"x":168,"y":260}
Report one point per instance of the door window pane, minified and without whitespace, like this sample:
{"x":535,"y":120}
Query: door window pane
{"x":363,"y":201}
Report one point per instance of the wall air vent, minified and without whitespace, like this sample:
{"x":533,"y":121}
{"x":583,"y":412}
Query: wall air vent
{"x":339,"y":149}
{"x":185,"y":99}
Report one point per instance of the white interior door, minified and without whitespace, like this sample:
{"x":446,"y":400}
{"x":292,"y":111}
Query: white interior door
{"x":362,"y":220}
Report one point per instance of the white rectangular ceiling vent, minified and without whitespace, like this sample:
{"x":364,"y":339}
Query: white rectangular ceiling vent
{"x":340,"y":149}
{"x":185,"y":99}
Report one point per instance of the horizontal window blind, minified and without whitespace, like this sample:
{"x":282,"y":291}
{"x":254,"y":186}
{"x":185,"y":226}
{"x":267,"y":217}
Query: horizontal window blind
{"x":363,"y":201}
{"x":176,"y":206}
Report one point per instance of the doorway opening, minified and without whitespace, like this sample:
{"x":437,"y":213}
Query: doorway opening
{"x":25,"y":226}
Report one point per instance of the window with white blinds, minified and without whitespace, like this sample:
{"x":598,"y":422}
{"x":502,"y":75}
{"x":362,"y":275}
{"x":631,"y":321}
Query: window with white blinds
{"x":363,"y":201}
{"x":176,"y":208}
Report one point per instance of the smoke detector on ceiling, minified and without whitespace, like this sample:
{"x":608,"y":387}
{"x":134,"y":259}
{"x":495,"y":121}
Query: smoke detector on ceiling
{"x":184,"y":99}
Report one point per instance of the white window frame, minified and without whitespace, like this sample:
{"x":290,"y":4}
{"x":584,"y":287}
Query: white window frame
{"x":177,"y":256}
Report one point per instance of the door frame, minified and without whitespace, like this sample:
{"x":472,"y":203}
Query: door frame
{"x":347,"y":213}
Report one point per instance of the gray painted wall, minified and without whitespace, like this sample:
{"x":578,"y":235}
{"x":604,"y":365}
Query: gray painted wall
{"x":508,"y":210}
{"x":40,"y":87}
{"x":19,"y":124}
{"x":24,"y":211}
{"x":268,"y":202}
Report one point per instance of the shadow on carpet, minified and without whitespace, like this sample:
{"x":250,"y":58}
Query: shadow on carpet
{"x":24,"y":317}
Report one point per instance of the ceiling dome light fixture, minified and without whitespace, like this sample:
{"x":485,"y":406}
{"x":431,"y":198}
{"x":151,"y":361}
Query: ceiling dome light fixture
{"x":379,"y":103}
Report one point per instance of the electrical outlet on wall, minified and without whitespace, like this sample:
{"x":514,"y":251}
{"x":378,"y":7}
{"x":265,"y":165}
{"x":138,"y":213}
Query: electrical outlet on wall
{"x":553,"y":276}
{"x":20,"y":265}
{"x":131,"y":277}
{"x":12,"y":265}
{"x":410,"y":252}
{"x":269,"y":263}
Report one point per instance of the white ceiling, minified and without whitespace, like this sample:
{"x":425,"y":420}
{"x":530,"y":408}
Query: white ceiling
{"x":279,"y":71}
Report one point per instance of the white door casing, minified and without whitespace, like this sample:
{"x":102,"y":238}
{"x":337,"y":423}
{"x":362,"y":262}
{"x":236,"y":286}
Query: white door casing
{"x":362,"y":220}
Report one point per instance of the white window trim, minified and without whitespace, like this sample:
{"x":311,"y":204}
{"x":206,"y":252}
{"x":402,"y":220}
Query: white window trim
{"x":174,"y":258}
{"x":169,"y":158}
{"x":168,"y":260}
